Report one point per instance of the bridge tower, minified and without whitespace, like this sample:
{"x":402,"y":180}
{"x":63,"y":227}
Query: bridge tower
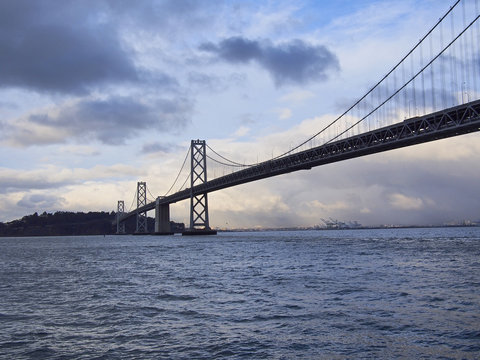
{"x":141,"y":201}
{"x":199,"y":223}
{"x":120,"y":212}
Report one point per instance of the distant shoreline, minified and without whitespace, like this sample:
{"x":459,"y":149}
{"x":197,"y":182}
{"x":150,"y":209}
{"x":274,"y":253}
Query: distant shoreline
{"x":62,"y":223}
{"x":353,"y":228}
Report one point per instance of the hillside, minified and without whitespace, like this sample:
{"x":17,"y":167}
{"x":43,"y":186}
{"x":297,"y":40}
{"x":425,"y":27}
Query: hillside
{"x":70,"y":223}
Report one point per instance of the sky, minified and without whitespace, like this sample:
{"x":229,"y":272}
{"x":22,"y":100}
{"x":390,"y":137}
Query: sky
{"x":97,"y":95}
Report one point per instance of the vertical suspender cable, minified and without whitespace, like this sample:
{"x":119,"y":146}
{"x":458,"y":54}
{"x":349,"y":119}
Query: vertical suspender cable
{"x":432,"y":75}
{"x":414,"y":110}
{"x":405,"y":101}
{"x":442,"y":70}
{"x":453,"y":66}
{"x":475,"y":51}
{"x":465,"y":62}
{"x":423,"y":81}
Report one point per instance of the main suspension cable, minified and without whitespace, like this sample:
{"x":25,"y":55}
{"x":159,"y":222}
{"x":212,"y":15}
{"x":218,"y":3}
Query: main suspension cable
{"x":188,"y":176}
{"x":374,"y":87}
{"x":222,"y":163}
{"x":178,"y":175}
{"x":148,"y":190}
{"x":133,"y":201}
{"x":408,"y":82}
{"x":233,"y":163}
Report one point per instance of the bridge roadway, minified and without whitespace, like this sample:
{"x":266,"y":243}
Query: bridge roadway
{"x":458,"y":120}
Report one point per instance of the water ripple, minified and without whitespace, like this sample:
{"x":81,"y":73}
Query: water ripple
{"x":272,"y":295}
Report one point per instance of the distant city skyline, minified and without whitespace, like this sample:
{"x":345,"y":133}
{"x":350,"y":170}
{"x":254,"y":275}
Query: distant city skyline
{"x":97,"y":95}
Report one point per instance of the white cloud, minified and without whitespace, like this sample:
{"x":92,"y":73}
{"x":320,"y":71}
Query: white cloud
{"x":54,"y":177}
{"x":242,"y":131}
{"x":403,"y":202}
{"x":273,"y":20}
{"x":297,"y":96}
{"x":316,"y":205}
{"x":284,"y":113}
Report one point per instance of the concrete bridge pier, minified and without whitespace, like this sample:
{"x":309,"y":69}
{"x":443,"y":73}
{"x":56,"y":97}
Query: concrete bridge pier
{"x":162,"y":218}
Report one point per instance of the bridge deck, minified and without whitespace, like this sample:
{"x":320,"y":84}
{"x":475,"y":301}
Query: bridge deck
{"x":450,"y":122}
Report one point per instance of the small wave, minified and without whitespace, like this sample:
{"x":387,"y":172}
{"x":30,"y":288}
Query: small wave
{"x":16,"y":317}
{"x":468,"y":334}
{"x":347,"y":291}
{"x":172,"y":297}
{"x":13,"y":344}
{"x":151,"y":311}
{"x":189,"y":313}
{"x":299,"y":346}
{"x":263,"y":318}
{"x":43,"y":352}
{"x":293,"y":307}
{"x":433,"y":299}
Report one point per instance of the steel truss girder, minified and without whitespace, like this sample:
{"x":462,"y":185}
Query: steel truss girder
{"x":142,"y":225}
{"x":198,"y":202}
{"x":458,"y":120}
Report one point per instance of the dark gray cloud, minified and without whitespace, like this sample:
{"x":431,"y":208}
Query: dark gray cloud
{"x":63,"y":46}
{"x":110,"y":121}
{"x":293,"y":62}
{"x":14,"y":182}
{"x":40,"y":201}
{"x":214,"y":83}
{"x":173,"y":17}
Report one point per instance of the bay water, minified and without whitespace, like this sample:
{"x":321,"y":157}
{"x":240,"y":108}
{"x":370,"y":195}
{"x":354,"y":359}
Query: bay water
{"x":319,"y":294}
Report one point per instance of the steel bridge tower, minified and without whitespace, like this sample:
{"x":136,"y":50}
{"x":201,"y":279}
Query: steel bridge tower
{"x":141,"y":201}
{"x":198,"y":203}
{"x":120,"y":212}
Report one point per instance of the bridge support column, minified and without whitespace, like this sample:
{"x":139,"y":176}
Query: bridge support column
{"x":199,"y":222}
{"x":162,"y":219}
{"x":120,"y":212}
{"x":142,"y":226}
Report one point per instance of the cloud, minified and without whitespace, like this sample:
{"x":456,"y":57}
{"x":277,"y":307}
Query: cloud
{"x":40,"y":201}
{"x":214,"y":83}
{"x":54,"y":177}
{"x":315,"y":205}
{"x":403,"y":202}
{"x":172,"y":17}
{"x":83,"y":151}
{"x":60,"y":46}
{"x":241,"y":131}
{"x":297,"y":97}
{"x":293,"y":62}
{"x":284,"y":113}
{"x":110,"y":121}
{"x":157,"y":147}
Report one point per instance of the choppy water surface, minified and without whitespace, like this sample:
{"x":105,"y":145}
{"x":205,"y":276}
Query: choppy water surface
{"x":409,"y":293}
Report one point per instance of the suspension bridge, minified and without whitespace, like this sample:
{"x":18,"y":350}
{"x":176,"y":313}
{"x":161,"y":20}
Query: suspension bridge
{"x":432,"y":93}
